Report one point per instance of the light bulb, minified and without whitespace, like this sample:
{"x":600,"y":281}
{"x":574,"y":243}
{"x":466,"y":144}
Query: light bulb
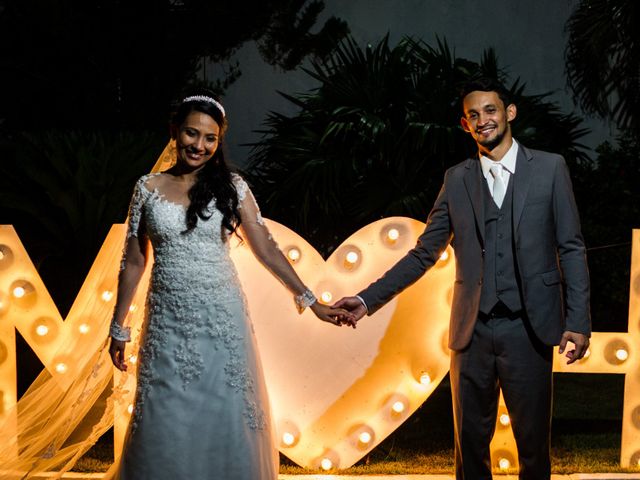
{"x":1,"y":255}
{"x":398,"y":407}
{"x":107,"y":295}
{"x":293,"y":254}
{"x":288,"y":438}
{"x":352,"y":257}
{"x":504,"y":419}
{"x":587,"y":354}
{"x":130,"y":408}
{"x":444,"y":255}
{"x":61,"y":367}
{"x":326,"y":297}
{"x":425,"y":379}
{"x":19,"y":292}
{"x":133,"y":308}
{"x":133,"y":359}
{"x":42,"y":330}
{"x":326,"y":464}
{"x":393,"y":234}
{"x":504,"y":463}
{"x":622,"y":354}
{"x":365,"y":437}
{"x":84,"y":328}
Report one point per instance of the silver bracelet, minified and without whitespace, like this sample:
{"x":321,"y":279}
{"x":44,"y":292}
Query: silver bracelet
{"x":306,"y":299}
{"x":117,"y":332}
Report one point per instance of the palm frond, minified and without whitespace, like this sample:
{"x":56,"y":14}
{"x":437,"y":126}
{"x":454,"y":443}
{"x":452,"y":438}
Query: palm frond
{"x":375,"y":137}
{"x":603,"y":60}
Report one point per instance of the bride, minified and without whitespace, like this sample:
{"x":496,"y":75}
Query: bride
{"x":201,"y":408}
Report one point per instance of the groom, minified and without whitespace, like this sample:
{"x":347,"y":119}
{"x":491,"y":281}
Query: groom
{"x":521,"y":286}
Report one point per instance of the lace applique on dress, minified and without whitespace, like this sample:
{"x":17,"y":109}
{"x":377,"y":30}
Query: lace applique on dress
{"x":241,"y":186}
{"x":244,"y":190}
{"x":135,"y":221}
{"x":136,"y":207}
{"x":192,"y":284}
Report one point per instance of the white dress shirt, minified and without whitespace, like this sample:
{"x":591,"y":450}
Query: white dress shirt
{"x":508,"y":163}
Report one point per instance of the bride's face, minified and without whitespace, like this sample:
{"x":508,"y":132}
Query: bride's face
{"x":197,"y":140}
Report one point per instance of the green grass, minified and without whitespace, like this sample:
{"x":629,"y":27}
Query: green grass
{"x":586,"y":434}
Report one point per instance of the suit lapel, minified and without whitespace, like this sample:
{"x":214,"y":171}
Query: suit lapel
{"x":521,"y":182}
{"x":473,"y":182}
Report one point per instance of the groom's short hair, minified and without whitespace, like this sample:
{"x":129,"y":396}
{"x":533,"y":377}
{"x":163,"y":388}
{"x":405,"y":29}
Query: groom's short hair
{"x":486,"y":84}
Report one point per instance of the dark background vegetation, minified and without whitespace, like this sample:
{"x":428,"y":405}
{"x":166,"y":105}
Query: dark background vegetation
{"x":87,"y":89}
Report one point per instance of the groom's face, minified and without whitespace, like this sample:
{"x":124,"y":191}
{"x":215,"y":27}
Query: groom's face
{"x":487,"y":119}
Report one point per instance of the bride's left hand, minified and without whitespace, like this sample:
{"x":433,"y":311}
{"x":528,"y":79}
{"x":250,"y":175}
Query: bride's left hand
{"x":337,"y":316}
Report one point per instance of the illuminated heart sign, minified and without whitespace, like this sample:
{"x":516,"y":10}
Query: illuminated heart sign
{"x":337,"y":392}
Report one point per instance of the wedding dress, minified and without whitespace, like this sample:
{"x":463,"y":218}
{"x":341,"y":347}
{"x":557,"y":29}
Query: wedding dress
{"x":201,"y":409}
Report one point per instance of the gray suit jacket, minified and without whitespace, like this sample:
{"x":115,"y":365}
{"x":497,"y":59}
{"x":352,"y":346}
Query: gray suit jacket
{"x":549,"y":248}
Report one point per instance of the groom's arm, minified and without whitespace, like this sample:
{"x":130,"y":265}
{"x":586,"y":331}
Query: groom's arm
{"x":571,"y":252}
{"x":431,"y":243}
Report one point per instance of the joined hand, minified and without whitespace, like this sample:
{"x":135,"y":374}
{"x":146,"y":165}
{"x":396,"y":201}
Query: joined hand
{"x":354,"y":306}
{"x":337,"y":316}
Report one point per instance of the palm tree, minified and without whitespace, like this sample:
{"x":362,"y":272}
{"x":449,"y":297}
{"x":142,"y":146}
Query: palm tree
{"x":374,"y":139}
{"x":603,"y":60}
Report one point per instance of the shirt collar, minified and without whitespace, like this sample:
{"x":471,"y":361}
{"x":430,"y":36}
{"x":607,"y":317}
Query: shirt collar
{"x":508,"y":162}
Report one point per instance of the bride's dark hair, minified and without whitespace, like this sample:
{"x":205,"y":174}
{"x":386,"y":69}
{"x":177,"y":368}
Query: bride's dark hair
{"x":214,"y":179}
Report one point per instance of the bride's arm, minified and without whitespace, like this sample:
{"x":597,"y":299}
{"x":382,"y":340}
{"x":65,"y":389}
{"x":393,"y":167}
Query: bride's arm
{"x":264,"y":247}
{"x":133,"y":264}
{"x":134,"y":259}
{"x":132,"y":268}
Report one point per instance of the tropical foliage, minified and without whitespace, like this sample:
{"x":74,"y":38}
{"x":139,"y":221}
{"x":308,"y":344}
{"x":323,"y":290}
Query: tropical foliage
{"x":603,"y":60}
{"x":608,"y":194}
{"x":603,"y":69}
{"x":374,"y":139}
{"x":63,"y":190}
{"x":113,"y":64}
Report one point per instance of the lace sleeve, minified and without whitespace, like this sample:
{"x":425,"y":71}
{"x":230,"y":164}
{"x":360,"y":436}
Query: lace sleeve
{"x":133,"y":261}
{"x":247,"y":201}
{"x":135,"y":227}
{"x":265,"y":247}
{"x":136,"y":207}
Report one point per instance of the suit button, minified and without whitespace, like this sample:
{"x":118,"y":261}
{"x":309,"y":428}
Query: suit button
{"x":500,"y":235}
{"x":479,"y":282}
{"x":500,"y":254}
{"x":499,"y":273}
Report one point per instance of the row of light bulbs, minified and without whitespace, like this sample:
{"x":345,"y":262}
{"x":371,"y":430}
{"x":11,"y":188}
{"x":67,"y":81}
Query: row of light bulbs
{"x":365,"y":437}
{"x":42,"y":329}
{"x":351,"y":258}
{"x":621,"y":354}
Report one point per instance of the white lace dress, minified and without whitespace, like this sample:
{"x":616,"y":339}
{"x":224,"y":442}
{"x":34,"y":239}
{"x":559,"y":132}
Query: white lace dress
{"x":201,"y":408}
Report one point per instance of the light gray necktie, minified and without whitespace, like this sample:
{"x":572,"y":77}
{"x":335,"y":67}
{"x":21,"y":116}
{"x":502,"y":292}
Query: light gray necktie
{"x":498,"y":184}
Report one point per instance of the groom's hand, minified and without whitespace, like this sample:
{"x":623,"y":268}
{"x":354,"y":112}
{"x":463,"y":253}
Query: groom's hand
{"x":354,"y":305}
{"x":580,"y":342}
